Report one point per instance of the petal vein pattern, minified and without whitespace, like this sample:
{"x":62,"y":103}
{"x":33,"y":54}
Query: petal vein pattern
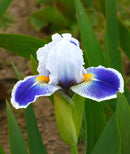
{"x":28,"y":90}
{"x":104,"y":85}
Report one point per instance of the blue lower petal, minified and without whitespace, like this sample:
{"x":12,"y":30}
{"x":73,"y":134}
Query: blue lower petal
{"x":104,"y":85}
{"x":27,"y":90}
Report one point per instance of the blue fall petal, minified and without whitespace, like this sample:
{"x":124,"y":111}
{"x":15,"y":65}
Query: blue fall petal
{"x":27,"y":90}
{"x":104,"y":85}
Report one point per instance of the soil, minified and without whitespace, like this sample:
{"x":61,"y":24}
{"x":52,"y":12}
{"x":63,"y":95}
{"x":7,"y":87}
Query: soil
{"x":44,"y":110}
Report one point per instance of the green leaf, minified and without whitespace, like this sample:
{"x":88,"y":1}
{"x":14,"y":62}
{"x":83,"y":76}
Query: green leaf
{"x":124,"y":39}
{"x":78,"y":111}
{"x":124,"y":33}
{"x":113,"y":56}
{"x":16,"y":71}
{"x":1,"y":150}
{"x":66,"y":7}
{"x":67,"y":3}
{"x":90,"y":43}
{"x":34,"y":65}
{"x":82,"y":133}
{"x":88,"y":2}
{"x":34,"y":137}
{"x":102,"y":5}
{"x":109,"y":108}
{"x":4,"y":4}
{"x":16,"y":139}
{"x":49,"y":16}
{"x":128,"y":99}
{"x":123,"y":123}
{"x":22,"y":45}
{"x":37,"y":23}
{"x":95,"y":122}
{"x":108,"y":142}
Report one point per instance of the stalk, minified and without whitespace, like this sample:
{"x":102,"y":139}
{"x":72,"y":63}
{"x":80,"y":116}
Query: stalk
{"x":74,"y":149}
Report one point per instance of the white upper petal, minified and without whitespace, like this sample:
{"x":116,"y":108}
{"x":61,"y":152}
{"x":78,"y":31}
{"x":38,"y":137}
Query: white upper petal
{"x":65,"y":61}
{"x":71,"y":39}
{"x":61,"y":59}
{"x":43,"y":52}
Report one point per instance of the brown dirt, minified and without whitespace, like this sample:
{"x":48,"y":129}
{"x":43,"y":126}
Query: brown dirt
{"x":20,"y":11}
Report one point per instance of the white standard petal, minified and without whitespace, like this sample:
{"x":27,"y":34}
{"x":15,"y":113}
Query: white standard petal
{"x":43,"y":52}
{"x":68,"y":37}
{"x":65,"y":62}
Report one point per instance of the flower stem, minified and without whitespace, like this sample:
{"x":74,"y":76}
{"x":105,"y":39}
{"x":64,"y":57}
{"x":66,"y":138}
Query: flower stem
{"x":74,"y":149}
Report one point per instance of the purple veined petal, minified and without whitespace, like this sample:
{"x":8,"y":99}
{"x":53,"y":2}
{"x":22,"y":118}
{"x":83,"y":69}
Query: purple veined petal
{"x":28,"y":90}
{"x":104,"y":84}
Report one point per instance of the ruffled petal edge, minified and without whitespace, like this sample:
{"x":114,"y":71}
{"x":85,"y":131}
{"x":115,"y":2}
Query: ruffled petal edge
{"x":37,"y":88}
{"x":97,"y":88}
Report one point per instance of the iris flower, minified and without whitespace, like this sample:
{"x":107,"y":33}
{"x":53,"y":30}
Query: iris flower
{"x":61,"y":68}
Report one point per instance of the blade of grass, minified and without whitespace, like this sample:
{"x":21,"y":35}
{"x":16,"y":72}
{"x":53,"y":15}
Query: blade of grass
{"x":16,"y":71}
{"x":124,"y":33}
{"x":124,"y":39}
{"x":102,"y":5}
{"x":88,"y":2}
{"x":1,"y":150}
{"x":16,"y":139}
{"x":4,"y":4}
{"x":112,"y":40}
{"x":123,"y":123}
{"x":94,"y":114}
{"x":113,"y":56}
{"x":108,"y":142}
{"x":34,"y":137}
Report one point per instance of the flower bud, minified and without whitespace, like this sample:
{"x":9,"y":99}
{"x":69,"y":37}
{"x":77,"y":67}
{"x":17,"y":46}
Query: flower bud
{"x":64,"y":118}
